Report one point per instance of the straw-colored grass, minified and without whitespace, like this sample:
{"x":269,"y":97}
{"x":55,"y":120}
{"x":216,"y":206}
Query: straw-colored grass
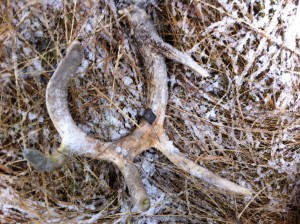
{"x":242,"y":122}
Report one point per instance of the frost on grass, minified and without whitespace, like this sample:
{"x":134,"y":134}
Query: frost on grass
{"x":12,"y":204}
{"x":250,"y":105}
{"x":242,"y":122}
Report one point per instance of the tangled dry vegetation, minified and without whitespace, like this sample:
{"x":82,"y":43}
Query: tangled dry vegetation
{"x":242,"y":122}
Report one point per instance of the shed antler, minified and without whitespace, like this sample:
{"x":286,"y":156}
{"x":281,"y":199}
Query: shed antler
{"x":149,"y":133}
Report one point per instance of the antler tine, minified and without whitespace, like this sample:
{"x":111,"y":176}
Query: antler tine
{"x":173,"y":154}
{"x":57,"y":105}
{"x":73,"y":139}
{"x":147,"y":35}
{"x":57,"y":90}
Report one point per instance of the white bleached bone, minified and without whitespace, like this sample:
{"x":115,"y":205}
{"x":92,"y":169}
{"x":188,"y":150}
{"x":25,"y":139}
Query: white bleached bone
{"x":146,"y":135}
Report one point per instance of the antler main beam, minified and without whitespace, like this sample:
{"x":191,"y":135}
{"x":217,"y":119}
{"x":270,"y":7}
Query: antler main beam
{"x":148,"y":134}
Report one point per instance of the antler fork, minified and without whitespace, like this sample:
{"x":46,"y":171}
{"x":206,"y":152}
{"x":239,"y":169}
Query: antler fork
{"x":149,"y":133}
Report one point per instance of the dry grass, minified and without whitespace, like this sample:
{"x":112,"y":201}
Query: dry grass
{"x":242,"y":122}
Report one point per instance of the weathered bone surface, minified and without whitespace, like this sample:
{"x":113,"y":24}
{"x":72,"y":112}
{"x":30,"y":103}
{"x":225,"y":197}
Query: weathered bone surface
{"x":148,"y":134}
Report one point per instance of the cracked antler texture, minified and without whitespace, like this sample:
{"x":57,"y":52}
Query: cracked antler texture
{"x":146,"y":135}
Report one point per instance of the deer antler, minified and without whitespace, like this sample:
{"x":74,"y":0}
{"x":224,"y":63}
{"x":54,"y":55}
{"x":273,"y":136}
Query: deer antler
{"x":149,"y":133}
